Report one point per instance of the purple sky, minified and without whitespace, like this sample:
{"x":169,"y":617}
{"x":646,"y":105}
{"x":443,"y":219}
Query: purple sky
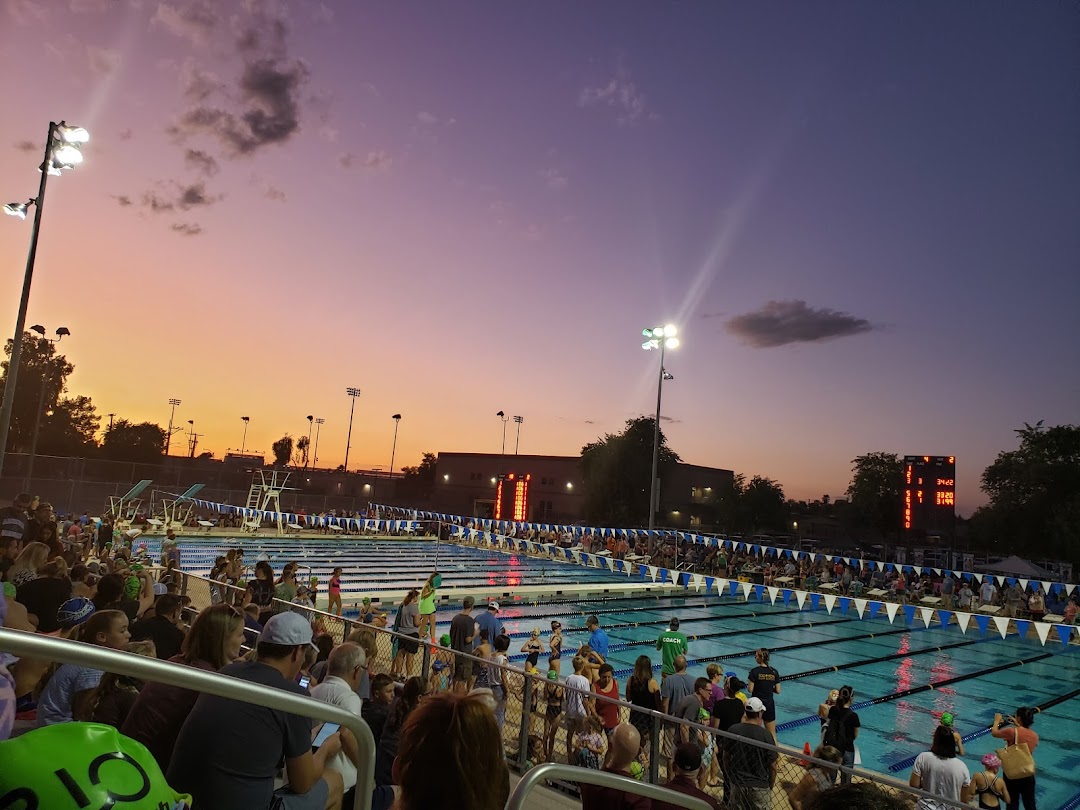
{"x":862,"y":216}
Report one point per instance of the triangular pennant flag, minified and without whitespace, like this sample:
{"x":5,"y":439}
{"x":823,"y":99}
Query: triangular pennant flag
{"x":860,"y":607}
{"x":733,"y":587}
{"x":759,"y":591}
{"x":909,"y":612}
{"x":875,"y":607}
{"x":962,"y":621}
{"x":709,"y":582}
{"x":944,"y":616}
{"x":1002,"y":624}
{"x":830,"y":602}
{"x":1046,"y":586}
{"x":815,"y":600}
{"x":746,"y":588}
{"x":1023,"y":583}
{"x":698,"y":579}
{"x":800,"y":597}
{"x":684,"y":579}
{"x":1064,"y":632}
{"x":1022,"y":627}
{"x":674,"y":577}
{"x":890,"y":610}
{"x":652,"y":572}
{"x":721,"y":585}
{"x":880,"y":565}
{"x":845,"y":603}
{"x":927,"y":615}
{"x":773,"y":593}
{"x":983,"y":621}
{"x":1000,"y":579}
{"x":1042,"y":630}
{"x":937,"y":571}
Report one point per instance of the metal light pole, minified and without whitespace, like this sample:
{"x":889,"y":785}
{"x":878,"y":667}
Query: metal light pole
{"x":307,"y":450}
{"x":661,"y":337}
{"x":393,"y":452}
{"x":518,"y":420}
{"x":172,"y":413}
{"x":63,"y":330}
{"x":243,"y":444}
{"x":61,"y":152}
{"x":319,"y":422}
{"x":354,"y":393}
{"x":192,"y":439}
{"x":504,"y":419}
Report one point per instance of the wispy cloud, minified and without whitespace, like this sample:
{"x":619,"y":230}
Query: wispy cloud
{"x":196,"y":20}
{"x":102,"y":61}
{"x":620,"y":94}
{"x":122,"y":200}
{"x":554,"y":179}
{"x":272,"y":192}
{"x":780,"y":323}
{"x":200,"y":161}
{"x":187,"y":228}
{"x":183,"y":197}
{"x":27,"y":146}
{"x":427,"y":119}
{"x":376,"y":160}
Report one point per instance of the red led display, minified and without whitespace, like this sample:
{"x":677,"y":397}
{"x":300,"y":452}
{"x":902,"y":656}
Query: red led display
{"x":929,"y":496}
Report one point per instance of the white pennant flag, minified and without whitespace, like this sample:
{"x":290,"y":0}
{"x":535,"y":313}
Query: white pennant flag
{"x":890,"y":610}
{"x":937,"y":571}
{"x":830,"y":601}
{"x":746,"y":588}
{"x":860,"y":607}
{"x":880,"y":565}
{"x":800,"y":597}
{"x":1069,"y":589}
{"x":1043,"y":630}
{"x":652,"y":572}
{"x":927,"y":614}
{"x":1024,"y":583}
{"x":1000,"y":579}
{"x":1002,"y":624}
{"x":828,"y":557}
{"x":773,"y":593}
{"x":674,"y":576}
{"x":721,"y":586}
{"x":698,"y":580}
{"x":1046,"y":586}
{"x":962,"y":621}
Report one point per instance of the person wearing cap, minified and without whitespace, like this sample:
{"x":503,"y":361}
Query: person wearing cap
{"x":687,"y":762}
{"x":227,"y":753}
{"x":671,"y":644}
{"x":990,"y":788}
{"x":486,"y":620}
{"x":750,"y":769}
{"x":947,"y":720}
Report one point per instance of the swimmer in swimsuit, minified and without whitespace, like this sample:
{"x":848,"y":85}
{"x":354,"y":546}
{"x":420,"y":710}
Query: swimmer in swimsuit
{"x":533,"y":647}
{"x":427,"y":605}
{"x":555,"y":646}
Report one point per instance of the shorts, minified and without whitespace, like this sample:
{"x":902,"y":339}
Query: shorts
{"x":751,"y":798}
{"x":770,"y":712}
{"x":410,"y":645}
{"x":314,"y":799}
{"x":463,"y":669}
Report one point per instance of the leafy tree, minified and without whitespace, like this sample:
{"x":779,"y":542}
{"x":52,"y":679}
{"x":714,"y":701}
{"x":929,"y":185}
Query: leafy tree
{"x":1034,"y":495}
{"x":125,"y":441}
{"x":417,"y":482}
{"x":300,"y":457}
{"x":282,"y":450}
{"x":875,"y":493}
{"x":762,"y":506}
{"x":68,"y":424}
{"x":616,"y":471}
{"x":726,"y":502}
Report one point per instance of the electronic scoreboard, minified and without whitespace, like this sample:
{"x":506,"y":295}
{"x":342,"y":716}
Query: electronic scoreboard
{"x":929,"y":495}
{"x":512,"y":497}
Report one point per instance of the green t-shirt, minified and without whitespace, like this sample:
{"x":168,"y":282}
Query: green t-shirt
{"x":671,"y":644}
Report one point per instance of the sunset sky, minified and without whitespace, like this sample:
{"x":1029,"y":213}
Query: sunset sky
{"x":863,"y":217}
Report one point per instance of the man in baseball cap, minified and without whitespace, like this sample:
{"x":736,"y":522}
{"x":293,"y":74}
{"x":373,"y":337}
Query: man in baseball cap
{"x":487,"y":621}
{"x":751,"y":769}
{"x":687,"y":761}
{"x":227,"y":751}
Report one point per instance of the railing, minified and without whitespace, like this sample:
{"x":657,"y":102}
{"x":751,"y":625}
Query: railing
{"x":150,"y":669}
{"x":586,"y":776}
{"x":523,"y":709}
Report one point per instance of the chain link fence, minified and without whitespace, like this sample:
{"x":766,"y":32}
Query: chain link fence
{"x":548,"y":720}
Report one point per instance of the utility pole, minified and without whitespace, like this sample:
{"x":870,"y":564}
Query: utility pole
{"x":354,"y":393}
{"x":168,"y":436}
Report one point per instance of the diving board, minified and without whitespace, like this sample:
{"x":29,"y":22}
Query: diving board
{"x":122,"y":509}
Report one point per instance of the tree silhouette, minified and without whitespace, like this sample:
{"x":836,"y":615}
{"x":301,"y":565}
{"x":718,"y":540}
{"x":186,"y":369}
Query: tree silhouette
{"x":282,"y":450}
{"x":125,"y":441}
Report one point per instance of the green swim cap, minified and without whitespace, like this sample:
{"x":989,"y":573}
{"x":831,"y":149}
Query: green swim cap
{"x":946,"y":719}
{"x":71,"y":766}
{"x":444,"y":640}
{"x":636,"y":771}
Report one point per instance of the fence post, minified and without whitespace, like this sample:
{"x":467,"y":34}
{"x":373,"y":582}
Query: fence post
{"x":526,"y":719}
{"x":183,"y":584}
{"x":425,"y":665}
{"x":654,"y":751}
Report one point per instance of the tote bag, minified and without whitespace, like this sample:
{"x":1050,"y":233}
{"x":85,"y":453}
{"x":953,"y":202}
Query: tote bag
{"x":1016,"y":760}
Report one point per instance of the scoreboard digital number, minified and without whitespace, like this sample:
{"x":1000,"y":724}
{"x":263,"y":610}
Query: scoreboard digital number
{"x":512,"y":497}
{"x":929,"y":494}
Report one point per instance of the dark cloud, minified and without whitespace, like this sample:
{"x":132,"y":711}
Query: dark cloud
{"x":779,"y":323}
{"x":157,"y":204}
{"x":26,"y":146}
{"x":187,"y":228}
{"x":184,"y":198}
{"x":122,"y":200}
{"x":200,"y":161}
{"x":670,"y":419}
{"x":197,"y":84}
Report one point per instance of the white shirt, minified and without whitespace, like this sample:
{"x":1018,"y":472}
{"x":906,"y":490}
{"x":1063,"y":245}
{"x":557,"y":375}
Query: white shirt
{"x":575,"y":705}
{"x":336,"y":692}
{"x":942,"y":777}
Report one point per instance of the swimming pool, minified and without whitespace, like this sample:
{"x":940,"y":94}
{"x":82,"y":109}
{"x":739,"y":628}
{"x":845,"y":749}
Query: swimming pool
{"x":875,"y":657}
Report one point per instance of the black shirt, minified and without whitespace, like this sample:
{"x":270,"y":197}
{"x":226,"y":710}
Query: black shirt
{"x":375,"y":714}
{"x":764,"y":681}
{"x":727,"y":712}
{"x":462,"y":627}
{"x":43,"y":597}
{"x":167,"y":637}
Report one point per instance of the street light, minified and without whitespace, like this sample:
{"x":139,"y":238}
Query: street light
{"x":393,"y":452}
{"x":193,"y":438}
{"x":319,"y":422}
{"x":172,"y":413}
{"x":307,"y":453}
{"x":61,"y":147}
{"x":660,"y":337}
{"x":354,"y":393}
{"x":504,"y":419}
{"x":243,"y":444}
{"x":60,"y":333}
{"x":518,"y":420}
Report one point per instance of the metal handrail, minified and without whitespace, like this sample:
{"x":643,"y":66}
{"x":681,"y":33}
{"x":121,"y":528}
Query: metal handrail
{"x":151,"y":669}
{"x":588,"y":776}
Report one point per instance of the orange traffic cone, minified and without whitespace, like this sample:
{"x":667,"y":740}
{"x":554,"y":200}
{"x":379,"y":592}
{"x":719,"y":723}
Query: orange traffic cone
{"x":806,"y":752}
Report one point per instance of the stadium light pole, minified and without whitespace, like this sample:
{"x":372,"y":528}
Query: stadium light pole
{"x":172,"y":413}
{"x":518,"y":420}
{"x":40,"y":330}
{"x":354,"y":393}
{"x":393,"y":452}
{"x":659,"y":337}
{"x":243,"y":444}
{"x":319,"y":422}
{"x":504,"y":418}
{"x":307,"y":454}
{"x":61,"y":152}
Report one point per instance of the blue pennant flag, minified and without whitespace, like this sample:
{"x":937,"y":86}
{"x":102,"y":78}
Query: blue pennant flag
{"x":845,"y":603}
{"x":684,"y":579}
{"x":815,"y":600}
{"x":983,"y":621}
{"x":758,"y":591}
{"x":944,"y":616}
{"x":1064,"y":632}
{"x":890,"y":567}
{"x":966,"y":575}
{"x":585,"y":558}
{"x":873,"y":609}
{"x":1022,"y":627}
{"x":733,"y":587}
{"x":619,"y":566}
{"x":909,"y":611}
{"x":665,"y":575}
{"x":787,"y":595}
{"x":643,"y":572}
{"x":709,"y":583}
{"x":1011,"y":580}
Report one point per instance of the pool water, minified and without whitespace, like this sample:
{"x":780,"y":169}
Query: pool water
{"x":729,"y":630}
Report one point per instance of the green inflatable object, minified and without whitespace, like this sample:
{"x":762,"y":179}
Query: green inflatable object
{"x":131,"y":591}
{"x":73,"y":766}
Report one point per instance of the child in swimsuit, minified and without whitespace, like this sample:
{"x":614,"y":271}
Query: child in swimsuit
{"x":335,"y":592}
{"x":555,"y":646}
{"x":533,"y":647}
{"x":989,"y":787}
{"x":426,"y":605}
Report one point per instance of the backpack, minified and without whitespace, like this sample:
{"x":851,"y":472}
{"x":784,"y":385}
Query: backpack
{"x":836,"y":731}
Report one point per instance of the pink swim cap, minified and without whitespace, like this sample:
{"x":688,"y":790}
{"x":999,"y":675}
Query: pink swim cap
{"x":991,"y":761}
